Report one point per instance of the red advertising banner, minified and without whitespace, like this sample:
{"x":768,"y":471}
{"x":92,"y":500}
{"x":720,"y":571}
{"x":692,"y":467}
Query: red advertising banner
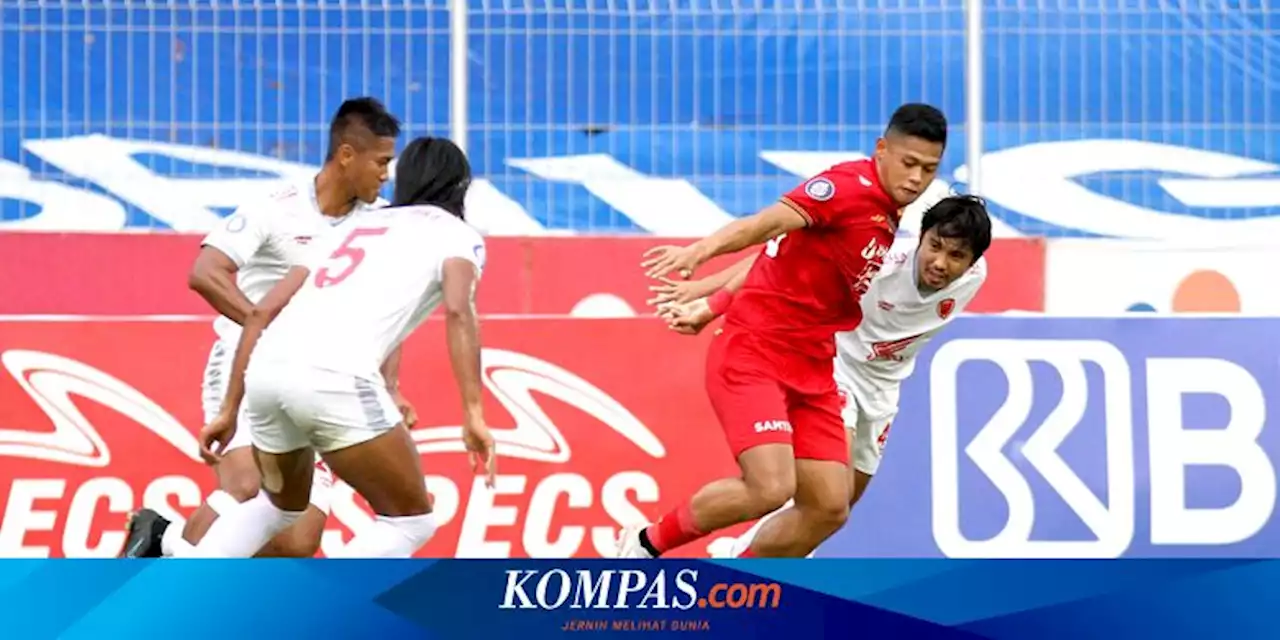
{"x":145,"y":274}
{"x":600,"y":423}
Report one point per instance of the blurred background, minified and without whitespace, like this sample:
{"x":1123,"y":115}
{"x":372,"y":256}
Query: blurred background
{"x":1130,"y":152}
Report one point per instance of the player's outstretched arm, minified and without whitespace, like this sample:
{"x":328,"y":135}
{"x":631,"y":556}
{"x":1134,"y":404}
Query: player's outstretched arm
{"x":462,"y":331}
{"x":260,"y":315}
{"x":737,"y":274}
{"x":674,"y":292}
{"x":213,"y":276}
{"x":771,"y":222}
{"x":775,"y":220}
{"x":391,"y":374}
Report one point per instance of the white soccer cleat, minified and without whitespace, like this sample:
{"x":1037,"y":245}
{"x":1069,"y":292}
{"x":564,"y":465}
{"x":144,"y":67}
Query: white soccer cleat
{"x":629,"y":546}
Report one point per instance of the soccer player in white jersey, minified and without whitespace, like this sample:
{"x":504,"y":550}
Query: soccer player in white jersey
{"x":923,"y":286}
{"x":238,"y":263}
{"x":310,"y":390}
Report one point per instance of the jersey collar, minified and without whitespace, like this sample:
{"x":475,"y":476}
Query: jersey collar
{"x":315,"y":204}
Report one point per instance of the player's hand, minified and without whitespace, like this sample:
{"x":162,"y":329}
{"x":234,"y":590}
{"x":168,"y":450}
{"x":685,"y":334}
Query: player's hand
{"x":216,"y":435}
{"x":480,"y":450}
{"x":678,"y":292}
{"x":689,"y":318}
{"x":406,"y":409}
{"x":661,"y":261}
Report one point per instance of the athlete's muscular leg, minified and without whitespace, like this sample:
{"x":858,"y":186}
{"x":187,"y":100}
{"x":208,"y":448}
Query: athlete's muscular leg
{"x":821,"y":507}
{"x":768,"y":480}
{"x":824,"y":486}
{"x":751,"y":407}
{"x":387,"y":472}
{"x":858,"y":479}
{"x":239,"y":479}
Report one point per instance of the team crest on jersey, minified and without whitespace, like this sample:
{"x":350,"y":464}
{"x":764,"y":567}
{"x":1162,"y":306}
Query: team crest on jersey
{"x":946,"y":307}
{"x":236,"y":224}
{"x":820,"y":189}
{"x":885,"y":305}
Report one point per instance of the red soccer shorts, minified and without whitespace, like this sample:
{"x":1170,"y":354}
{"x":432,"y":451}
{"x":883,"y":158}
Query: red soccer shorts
{"x":762,"y":395}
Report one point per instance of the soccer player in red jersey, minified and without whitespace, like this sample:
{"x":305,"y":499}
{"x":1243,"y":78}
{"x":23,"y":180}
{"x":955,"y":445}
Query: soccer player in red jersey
{"x":769,"y":369}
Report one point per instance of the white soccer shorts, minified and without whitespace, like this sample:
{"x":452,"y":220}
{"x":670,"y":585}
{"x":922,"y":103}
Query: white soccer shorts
{"x":214,"y":388}
{"x":869,"y":410}
{"x":292,"y":406}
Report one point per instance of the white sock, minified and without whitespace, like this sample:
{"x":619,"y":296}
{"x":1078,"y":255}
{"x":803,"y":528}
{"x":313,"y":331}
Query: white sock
{"x":172,"y":544}
{"x":242,"y":531}
{"x":744,"y":542}
{"x":388,"y":537}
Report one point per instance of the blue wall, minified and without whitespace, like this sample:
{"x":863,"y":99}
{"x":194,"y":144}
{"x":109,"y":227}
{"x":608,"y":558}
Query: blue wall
{"x":691,"y":90}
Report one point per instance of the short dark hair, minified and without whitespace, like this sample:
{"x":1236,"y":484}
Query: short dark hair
{"x":963,"y":217}
{"x":919,"y":121}
{"x":357,"y":117}
{"x":433,"y":171}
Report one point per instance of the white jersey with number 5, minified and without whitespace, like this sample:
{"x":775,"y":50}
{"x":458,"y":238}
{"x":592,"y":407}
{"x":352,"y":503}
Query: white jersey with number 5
{"x":266,"y":236}
{"x":897,"y":320}
{"x":371,"y":283}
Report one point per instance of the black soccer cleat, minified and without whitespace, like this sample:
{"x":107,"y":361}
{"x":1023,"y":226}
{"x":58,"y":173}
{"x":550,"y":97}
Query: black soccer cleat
{"x":143,"y":534}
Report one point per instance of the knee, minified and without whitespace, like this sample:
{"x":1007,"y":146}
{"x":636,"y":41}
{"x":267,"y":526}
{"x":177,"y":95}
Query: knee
{"x":238,"y":476}
{"x":771,"y":493}
{"x":241,"y":486}
{"x":302,"y":540}
{"x":828,"y":514}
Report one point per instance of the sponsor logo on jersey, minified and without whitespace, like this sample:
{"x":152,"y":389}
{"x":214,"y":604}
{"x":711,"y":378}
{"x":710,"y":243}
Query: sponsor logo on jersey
{"x":874,"y":250}
{"x":885,"y":305}
{"x":766,"y":426}
{"x":891,"y":349}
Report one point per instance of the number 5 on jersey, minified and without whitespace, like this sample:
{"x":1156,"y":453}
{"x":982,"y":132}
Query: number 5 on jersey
{"x":348,"y":256}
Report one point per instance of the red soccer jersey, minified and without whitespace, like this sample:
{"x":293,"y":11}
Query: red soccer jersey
{"x":809,"y":283}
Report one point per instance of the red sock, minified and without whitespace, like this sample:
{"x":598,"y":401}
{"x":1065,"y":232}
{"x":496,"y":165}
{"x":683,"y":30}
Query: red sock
{"x":746,"y":553}
{"x":673,"y":530}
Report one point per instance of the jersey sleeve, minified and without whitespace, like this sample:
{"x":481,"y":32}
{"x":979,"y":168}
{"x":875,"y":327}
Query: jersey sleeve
{"x":973,"y":282}
{"x":240,"y":235}
{"x":465,"y":243}
{"x":825,"y":197}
